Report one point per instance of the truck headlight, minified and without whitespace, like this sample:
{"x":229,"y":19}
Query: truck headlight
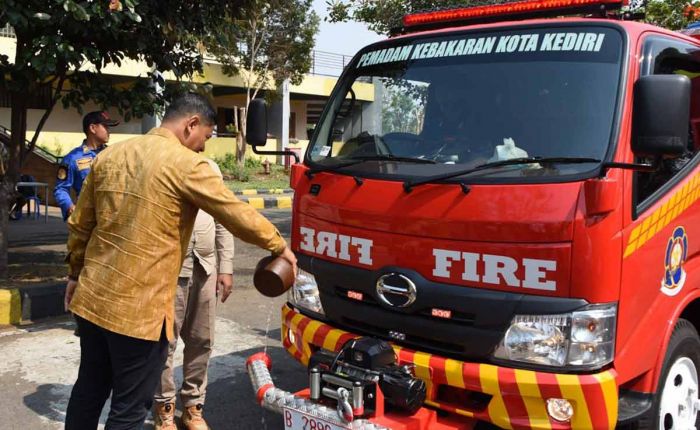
{"x":304,"y":293}
{"x":581,"y":339}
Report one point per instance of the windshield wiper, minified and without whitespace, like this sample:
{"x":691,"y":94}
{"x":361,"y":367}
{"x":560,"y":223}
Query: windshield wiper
{"x":361,"y":159}
{"x":409,"y":185}
{"x":389,"y":157}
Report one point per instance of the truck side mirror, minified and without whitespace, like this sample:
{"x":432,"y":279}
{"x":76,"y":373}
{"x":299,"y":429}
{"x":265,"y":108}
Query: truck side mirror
{"x":256,"y":123}
{"x":660,"y":115}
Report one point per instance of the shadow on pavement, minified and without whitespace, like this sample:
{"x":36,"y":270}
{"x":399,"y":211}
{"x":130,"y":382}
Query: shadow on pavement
{"x":64,"y":322}
{"x":281,"y":219}
{"x":230,"y":400}
{"x":50,"y":401}
{"x":270,"y":334}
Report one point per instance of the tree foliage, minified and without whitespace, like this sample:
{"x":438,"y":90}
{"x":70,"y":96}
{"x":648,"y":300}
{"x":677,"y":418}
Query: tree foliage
{"x":266,"y":39}
{"x":58,"y":39}
{"x":671,"y":14}
{"x":64,"y":46}
{"x":403,"y":106}
{"x":265,"y":42}
{"x":383,"y":15}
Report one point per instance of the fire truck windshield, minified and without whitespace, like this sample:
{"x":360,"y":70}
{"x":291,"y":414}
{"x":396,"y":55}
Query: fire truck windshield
{"x":418,"y":107}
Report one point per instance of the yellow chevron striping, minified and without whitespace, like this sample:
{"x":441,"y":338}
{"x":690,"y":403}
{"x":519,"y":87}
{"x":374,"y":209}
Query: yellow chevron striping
{"x":453,"y":371}
{"x":498,"y":413}
{"x":664,"y":215}
{"x":609,"y":388}
{"x":571,"y":390}
{"x":534,"y":403}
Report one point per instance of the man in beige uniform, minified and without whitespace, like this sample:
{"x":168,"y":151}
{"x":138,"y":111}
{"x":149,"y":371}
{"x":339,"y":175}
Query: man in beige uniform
{"x":207,"y":273}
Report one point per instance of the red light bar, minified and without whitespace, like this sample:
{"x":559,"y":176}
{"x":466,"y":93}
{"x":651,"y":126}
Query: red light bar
{"x":502,"y":10}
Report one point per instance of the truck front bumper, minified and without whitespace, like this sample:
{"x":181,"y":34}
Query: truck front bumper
{"x":509,"y":398}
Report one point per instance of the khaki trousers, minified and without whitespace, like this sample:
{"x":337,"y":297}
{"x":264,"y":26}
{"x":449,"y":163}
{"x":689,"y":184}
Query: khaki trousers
{"x":195,"y":313}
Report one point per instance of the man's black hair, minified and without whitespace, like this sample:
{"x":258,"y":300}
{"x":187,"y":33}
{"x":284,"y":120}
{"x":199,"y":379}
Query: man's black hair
{"x":191,"y":104}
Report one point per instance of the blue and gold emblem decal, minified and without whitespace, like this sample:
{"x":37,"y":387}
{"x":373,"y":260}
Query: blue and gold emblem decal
{"x":676,"y":253}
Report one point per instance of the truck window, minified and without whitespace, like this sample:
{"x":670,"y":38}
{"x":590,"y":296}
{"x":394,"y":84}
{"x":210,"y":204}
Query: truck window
{"x":666,"y":56}
{"x":467,"y":98}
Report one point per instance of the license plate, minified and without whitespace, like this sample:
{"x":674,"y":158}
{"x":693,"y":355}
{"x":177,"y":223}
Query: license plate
{"x":296,"y":420}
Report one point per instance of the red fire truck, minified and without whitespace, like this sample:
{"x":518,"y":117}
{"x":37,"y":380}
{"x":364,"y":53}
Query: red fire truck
{"x":496,"y":223}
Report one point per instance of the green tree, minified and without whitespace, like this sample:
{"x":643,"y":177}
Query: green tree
{"x":383,"y":15}
{"x":64,"y":45}
{"x":265,"y":41}
{"x":403,"y":107}
{"x":671,"y":14}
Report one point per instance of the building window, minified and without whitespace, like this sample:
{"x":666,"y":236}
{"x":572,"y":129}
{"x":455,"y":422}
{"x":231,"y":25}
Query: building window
{"x":227,"y":122}
{"x":292,"y":125}
{"x":8,"y":31}
{"x":40,"y":99}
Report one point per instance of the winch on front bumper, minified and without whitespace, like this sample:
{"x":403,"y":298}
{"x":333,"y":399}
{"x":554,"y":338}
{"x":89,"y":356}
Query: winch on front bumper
{"x":468,"y":392}
{"x":344,"y":394}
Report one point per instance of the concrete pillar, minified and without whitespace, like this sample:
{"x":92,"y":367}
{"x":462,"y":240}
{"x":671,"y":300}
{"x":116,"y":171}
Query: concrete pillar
{"x":150,"y":121}
{"x":372,"y":111}
{"x":278,"y":119}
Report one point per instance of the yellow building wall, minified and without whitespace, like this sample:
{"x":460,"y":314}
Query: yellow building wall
{"x":8,"y":46}
{"x":323,"y":85}
{"x":63,"y":129}
{"x":298,"y":107}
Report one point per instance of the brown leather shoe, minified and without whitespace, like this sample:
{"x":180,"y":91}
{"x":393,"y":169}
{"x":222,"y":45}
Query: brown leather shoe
{"x":192,"y":418}
{"x":164,"y":416}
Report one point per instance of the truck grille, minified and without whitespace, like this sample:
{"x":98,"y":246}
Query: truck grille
{"x":478,"y":317}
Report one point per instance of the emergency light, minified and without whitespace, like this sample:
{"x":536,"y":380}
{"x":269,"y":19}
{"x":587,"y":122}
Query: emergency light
{"x":510,"y":10}
{"x":692,"y":30}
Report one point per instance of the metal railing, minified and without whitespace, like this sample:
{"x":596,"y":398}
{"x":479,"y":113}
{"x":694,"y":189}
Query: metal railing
{"x":38,"y":150}
{"x":8,"y":31}
{"x":328,"y":63}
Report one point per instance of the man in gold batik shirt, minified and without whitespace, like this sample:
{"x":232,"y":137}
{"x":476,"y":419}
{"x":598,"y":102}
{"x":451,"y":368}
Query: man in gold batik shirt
{"x":127,"y":239}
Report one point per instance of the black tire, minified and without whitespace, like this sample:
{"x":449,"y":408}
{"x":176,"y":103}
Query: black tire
{"x":684,"y":343}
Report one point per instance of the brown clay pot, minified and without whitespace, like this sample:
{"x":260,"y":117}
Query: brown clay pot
{"x":273,"y":276}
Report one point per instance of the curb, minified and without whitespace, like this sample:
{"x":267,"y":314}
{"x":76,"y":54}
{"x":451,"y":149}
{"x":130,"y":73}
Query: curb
{"x":283,"y":202}
{"x":10,"y":307}
{"x":254,"y":192}
{"x":32,"y":302}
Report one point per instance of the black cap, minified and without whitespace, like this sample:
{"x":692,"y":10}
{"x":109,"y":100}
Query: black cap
{"x":98,"y":117}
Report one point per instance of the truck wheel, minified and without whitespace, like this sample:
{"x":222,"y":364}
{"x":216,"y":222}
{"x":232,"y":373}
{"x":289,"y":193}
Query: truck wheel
{"x":676,"y":400}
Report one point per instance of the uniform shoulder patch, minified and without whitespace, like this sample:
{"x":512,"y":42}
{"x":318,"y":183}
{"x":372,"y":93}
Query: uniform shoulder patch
{"x":62,"y":172}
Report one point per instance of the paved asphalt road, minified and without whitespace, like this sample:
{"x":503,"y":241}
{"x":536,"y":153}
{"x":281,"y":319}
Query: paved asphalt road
{"x":39,"y":362}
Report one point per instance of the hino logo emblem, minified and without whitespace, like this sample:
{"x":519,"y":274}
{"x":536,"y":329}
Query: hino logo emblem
{"x":396,"y":290}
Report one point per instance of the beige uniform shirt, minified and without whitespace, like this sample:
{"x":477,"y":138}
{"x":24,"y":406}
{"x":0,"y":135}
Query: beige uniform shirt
{"x":211,"y":244}
{"x":133,"y":221}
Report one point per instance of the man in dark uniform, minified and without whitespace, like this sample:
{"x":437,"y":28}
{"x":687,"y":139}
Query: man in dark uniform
{"x":76,"y":164}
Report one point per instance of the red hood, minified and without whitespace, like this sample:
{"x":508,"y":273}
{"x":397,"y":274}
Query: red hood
{"x":498,"y":237}
{"x":538,"y":213}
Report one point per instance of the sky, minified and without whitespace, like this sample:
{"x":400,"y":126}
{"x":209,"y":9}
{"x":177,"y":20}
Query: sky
{"x":341,"y":38}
